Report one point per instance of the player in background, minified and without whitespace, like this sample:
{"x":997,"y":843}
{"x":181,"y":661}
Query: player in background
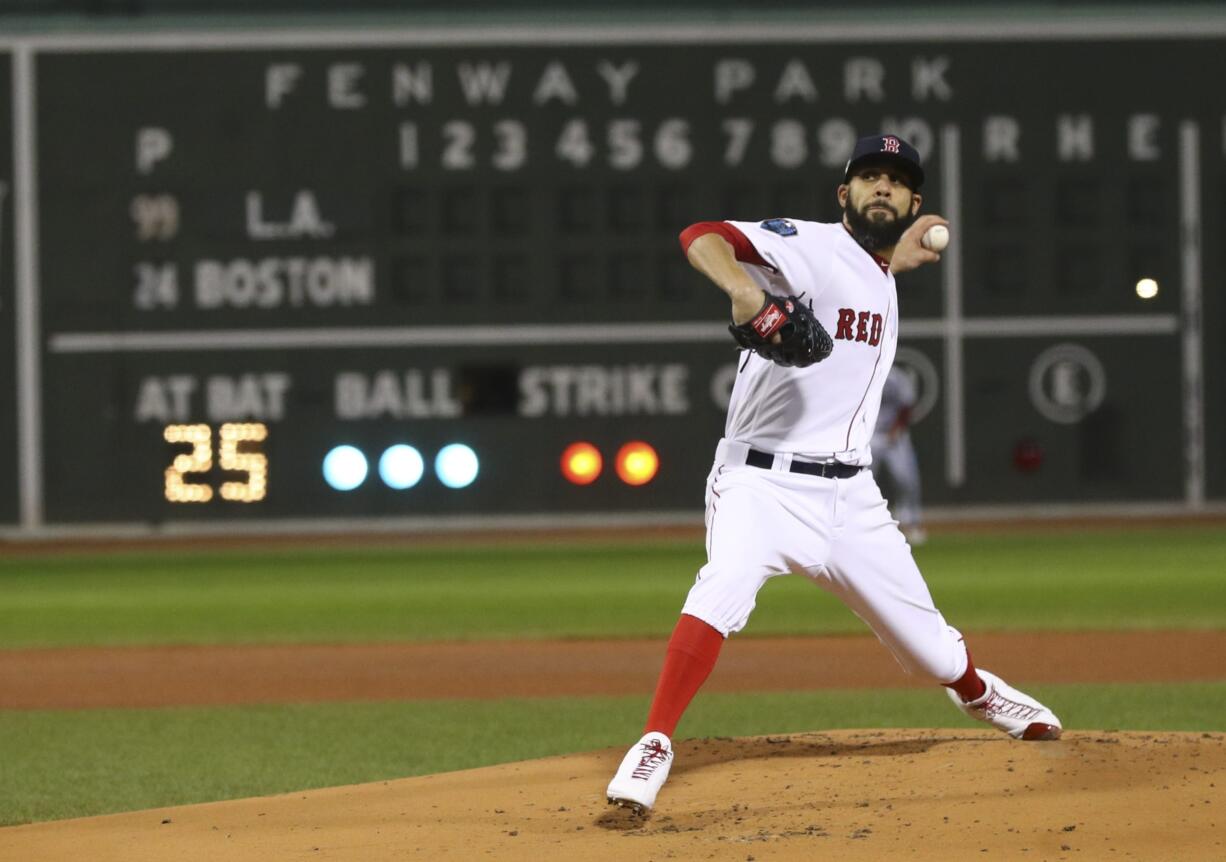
{"x":894,"y":455}
{"x":789,"y":492}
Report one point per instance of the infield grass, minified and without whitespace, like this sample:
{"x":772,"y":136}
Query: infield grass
{"x":1172,"y":578}
{"x":59,"y":764}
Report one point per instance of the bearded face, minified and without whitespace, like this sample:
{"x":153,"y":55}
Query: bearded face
{"x":877,"y":221}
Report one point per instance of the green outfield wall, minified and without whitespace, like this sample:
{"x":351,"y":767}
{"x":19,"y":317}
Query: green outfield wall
{"x":225,"y":252}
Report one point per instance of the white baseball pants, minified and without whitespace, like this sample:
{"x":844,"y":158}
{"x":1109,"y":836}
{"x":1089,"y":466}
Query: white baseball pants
{"x":836,"y":532}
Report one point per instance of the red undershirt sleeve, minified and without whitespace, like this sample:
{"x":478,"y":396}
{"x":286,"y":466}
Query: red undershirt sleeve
{"x":741,"y":246}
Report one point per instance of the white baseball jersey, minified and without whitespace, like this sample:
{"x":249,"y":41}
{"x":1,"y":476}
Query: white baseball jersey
{"x":828,"y":410}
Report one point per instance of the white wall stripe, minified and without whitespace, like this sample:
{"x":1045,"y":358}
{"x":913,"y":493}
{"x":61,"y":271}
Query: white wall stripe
{"x":4,"y":194}
{"x":1146,"y":511}
{"x":1088,"y":326}
{"x":396,"y":336}
{"x":1190,"y":270}
{"x":29,"y":333}
{"x":653,"y":332}
{"x":1206,"y":24}
{"x":951,"y":284}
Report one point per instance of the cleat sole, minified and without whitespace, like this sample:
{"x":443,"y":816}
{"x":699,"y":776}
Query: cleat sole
{"x":636,"y":808}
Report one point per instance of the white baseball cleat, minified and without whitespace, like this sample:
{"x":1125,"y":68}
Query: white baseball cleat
{"x":1017,"y":714}
{"x":642,"y":773}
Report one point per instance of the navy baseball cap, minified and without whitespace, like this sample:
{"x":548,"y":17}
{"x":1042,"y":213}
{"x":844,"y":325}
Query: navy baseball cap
{"x":891,"y":148}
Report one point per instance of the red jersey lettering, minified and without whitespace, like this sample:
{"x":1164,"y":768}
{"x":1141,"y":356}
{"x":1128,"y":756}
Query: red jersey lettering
{"x":862,"y":326}
{"x":847,"y":316}
{"x":874,"y":333}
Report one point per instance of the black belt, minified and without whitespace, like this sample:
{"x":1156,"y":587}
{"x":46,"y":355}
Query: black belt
{"x":832,"y":470}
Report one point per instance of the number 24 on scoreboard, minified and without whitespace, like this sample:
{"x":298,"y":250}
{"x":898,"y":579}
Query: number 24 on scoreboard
{"x":229,"y":457}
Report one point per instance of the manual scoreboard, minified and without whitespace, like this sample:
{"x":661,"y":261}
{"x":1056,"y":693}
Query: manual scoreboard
{"x":383,"y":276}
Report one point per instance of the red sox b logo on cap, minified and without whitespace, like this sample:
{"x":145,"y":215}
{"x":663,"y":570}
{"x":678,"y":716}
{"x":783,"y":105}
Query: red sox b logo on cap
{"x":882,"y":147}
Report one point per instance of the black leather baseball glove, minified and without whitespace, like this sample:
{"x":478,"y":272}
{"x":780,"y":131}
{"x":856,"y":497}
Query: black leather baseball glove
{"x":802,"y":338}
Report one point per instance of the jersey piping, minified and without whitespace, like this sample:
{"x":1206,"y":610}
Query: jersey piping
{"x":868,"y":386}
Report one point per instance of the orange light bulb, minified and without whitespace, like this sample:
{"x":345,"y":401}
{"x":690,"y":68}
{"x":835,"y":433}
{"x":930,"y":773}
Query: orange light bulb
{"x":637,"y":463}
{"x":581,"y":463}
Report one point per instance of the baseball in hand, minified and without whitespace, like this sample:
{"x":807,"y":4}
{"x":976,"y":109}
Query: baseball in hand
{"x":935,"y":238}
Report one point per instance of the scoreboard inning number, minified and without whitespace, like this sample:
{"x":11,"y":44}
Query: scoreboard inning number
{"x":230,"y":458}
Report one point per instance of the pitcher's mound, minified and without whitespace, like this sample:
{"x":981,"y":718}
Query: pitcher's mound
{"x":847,"y":795}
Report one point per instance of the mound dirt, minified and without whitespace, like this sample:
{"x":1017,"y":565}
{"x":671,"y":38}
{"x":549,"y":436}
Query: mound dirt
{"x":847,"y":795}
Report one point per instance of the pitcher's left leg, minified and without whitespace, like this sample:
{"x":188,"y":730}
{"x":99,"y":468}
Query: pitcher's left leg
{"x":871,"y":569}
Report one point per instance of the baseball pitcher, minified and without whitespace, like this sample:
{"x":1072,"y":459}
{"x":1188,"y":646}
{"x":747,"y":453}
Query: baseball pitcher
{"x":815,"y":308}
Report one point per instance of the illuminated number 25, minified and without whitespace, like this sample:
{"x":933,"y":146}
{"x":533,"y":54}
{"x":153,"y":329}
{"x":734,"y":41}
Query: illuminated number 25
{"x":229,"y":457}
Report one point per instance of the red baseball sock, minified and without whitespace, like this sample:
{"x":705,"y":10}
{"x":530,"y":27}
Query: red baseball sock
{"x":969,"y":686}
{"x":692,"y":651}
